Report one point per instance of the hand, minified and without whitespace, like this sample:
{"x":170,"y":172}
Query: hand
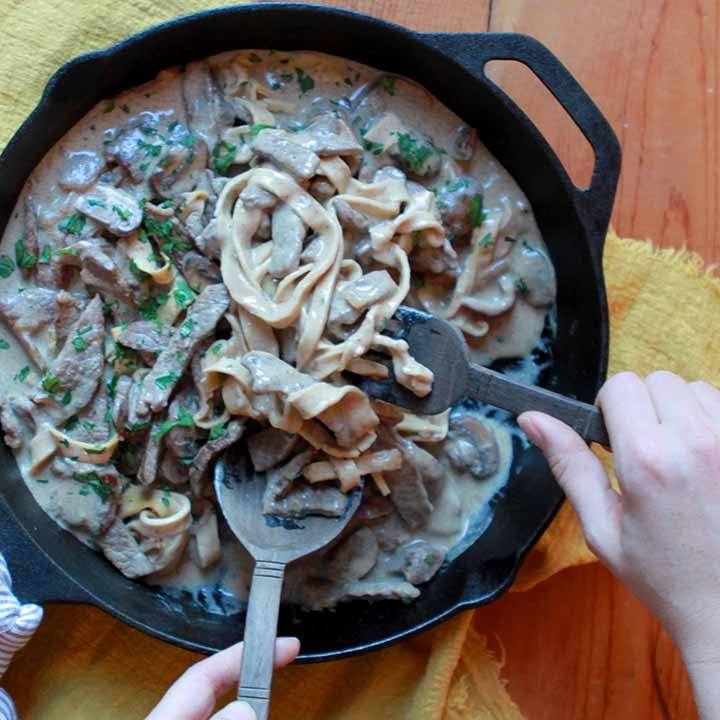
{"x":194,"y":694}
{"x":661,"y":534}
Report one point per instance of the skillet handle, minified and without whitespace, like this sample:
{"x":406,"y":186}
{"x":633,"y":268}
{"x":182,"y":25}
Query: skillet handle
{"x":516,"y":397}
{"x":475,"y":50}
{"x":35,"y":578}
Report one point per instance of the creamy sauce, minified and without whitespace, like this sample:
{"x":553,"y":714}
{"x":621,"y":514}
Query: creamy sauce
{"x":468,"y":220}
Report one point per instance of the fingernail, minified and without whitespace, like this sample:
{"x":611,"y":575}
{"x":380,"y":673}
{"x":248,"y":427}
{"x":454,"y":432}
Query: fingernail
{"x":531,"y":427}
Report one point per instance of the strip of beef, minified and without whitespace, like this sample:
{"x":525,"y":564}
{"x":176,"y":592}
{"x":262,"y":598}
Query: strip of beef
{"x":148,"y":470}
{"x":329,"y":136}
{"x":122,"y":549}
{"x":202,"y":317}
{"x":323,"y":594}
{"x":278,"y":146}
{"x":146,"y":335}
{"x":30,"y":227}
{"x":288,"y":233}
{"x":270,"y":447}
{"x":172,"y":471}
{"x":184,"y":156}
{"x":79,"y":365}
{"x":104,"y":270}
{"x":207,"y":111}
{"x":31,"y":309}
{"x":199,"y":271}
{"x":210,"y":451}
{"x":91,"y":425}
{"x":408,"y":494}
{"x":68,"y":310}
{"x":286,"y":498}
{"x":120,"y":400}
{"x":354,"y":556}
{"x":83,"y":496}
{"x":16,"y":418}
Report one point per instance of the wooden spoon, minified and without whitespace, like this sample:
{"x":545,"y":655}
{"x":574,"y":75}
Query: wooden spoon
{"x":440,"y":347}
{"x":273,"y":542}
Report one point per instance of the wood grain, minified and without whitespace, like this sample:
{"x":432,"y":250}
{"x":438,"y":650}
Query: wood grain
{"x":654,"y":70}
{"x":579,"y":645}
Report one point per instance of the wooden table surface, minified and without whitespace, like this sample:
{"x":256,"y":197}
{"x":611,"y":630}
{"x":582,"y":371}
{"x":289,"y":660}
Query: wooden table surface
{"x":580,"y":645}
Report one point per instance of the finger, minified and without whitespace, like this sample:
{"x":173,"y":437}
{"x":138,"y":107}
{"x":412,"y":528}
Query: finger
{"x":627,"y":407}
{"x":709,"y":398}
{"x":674,"y":402}
{"x":238,"y":710}
{"x":584,"y":480}
{"x":195,"y":692}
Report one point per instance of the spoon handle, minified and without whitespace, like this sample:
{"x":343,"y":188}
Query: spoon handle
{"x":505,"y":393}
{"x":260,"y":631}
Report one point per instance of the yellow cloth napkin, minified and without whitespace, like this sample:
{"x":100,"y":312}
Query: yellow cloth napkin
{"x":84,"y":665}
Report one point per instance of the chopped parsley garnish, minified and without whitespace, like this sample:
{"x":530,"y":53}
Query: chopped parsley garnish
{"x":23,"y":258}
{"x":458,"y":184}
{"x":4,"y":344}
{"x":45,"y":255}
{"x":348,"y":81}
{"x":223,"y":156}
{"x":73,"y":224}
{"x":88,"y":425}
{"x":6,"y":266}
{"x":42,"y":480}
{"x":258,"y":127}
{"x":412,"y":151}
{"x":136,"y":427}
{"x":164,"y":381}
{"x":79,"y":343}
{"x":172,"y":125}
{"x":109,"y":107}
{"x":96,"y":203}
{"x":67,"y":251}
{"x":217,"y":432}
{"x":476,"y":213}
{"x":150,"y":149}
{"x":66,"y":398}
{"x":188,"y":141}
{"x":522,"y":287}
{"x":125,"y":108}
{"x":254,"y":57}
{"x":161,"y":230}
{"x":286,"y":77}
{"x":72,"y":423}
{"x":428,"y":560}
{"x":121,"y":212}
{"x":375,"y":148}
{"x":408,"y":600}
{"x":137,"y":272}
{"x":108,"y":305}
{"x":91,"y":481}
{"x":184,"y":419}
{"x":186,"y":328}
{"x":147,"y":130}
{"x":388,"y":84}
{"x":486,"y":241}
{"x":183,"y":294}
{"x":305,"y":81}
{"x":149,"y":307}
{"x":216,"y":348}
{"x":50,"y":382}
{"x":512,"y":240}
{"x":22,"y":374}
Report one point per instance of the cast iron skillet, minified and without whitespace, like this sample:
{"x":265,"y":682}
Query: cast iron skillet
{"x":49,"y":565}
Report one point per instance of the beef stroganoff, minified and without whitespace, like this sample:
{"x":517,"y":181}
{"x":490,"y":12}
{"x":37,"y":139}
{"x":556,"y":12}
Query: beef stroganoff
{"x":199,"y":262}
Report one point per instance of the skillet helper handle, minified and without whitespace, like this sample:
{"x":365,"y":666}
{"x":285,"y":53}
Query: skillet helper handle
{"x":260,"y":631}
{"x":505,"y":393}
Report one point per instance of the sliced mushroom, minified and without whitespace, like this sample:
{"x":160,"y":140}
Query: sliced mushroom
{"x":80,"y":171}
{"x":471,"y":446}
{"x":536,"y":281}
{"x":117,"y":210}
{"x":350,"y":218}
{"x":421,"y":560}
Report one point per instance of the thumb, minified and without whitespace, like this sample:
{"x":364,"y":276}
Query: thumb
{"x":237,"y":710}
{"x":583,"y":479}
